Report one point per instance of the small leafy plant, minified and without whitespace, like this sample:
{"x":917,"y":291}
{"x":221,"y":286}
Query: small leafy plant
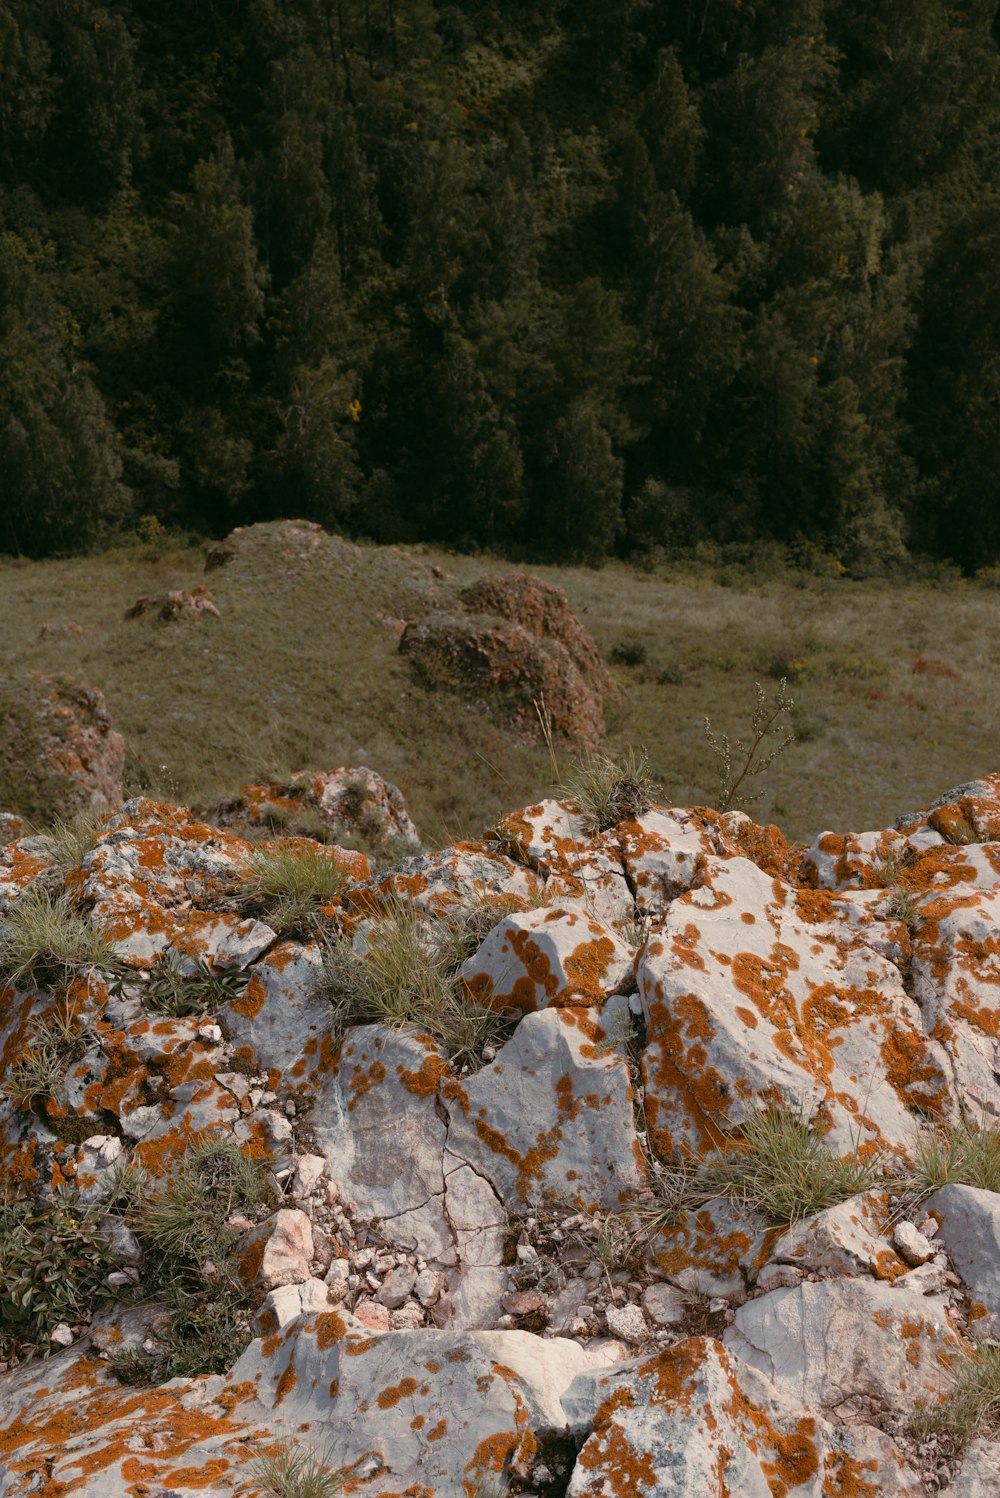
{"x":44,"y":942}
{"x":741,"y":760}
{"x":53,"y":1262}
{"x":609,"y":790}
{"x":172,"y":989}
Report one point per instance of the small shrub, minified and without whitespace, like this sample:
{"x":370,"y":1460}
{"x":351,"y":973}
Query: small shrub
{"x":629,"y":653}
{"x":172,"y":990}
{"x":185,"y":1220}
{"x":769,"y":720}
{"x":53,"y":1261}
{"x":292,"y":1471}
{"x":44,"y":942}
{"x":608,"y":790}
{"x":671,"y":675}
{"x":972,"y":1408}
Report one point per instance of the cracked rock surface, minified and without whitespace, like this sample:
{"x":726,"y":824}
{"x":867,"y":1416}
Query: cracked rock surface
{"x":468,"y":1274}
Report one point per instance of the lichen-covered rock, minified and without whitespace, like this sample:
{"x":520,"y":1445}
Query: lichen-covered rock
{"x":516,"y":644}
{"x":970,"y":1229}
{"x":548,"y":957}
{"x":754,"y":993}
{"x":694,"y":1419}
{"x":550,"y":1120}
{"x":345,"y":805}
{"x":825,"y":1342}
{"x":423,"y":1220}
{"x":194,"y":604}
{"x":59,"y":755}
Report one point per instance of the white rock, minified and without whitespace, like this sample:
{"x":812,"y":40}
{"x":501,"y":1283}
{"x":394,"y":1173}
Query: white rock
{"x":548,"y":956}
{"x":826,"y":1341}
{"x":911,"y":1243}
{"x":61,"y":1335}
{"x":396,"y":1288}
{"x":280,"y":1250}
{"x":664,"y":1304}
{"x":627,"y":1323}
{"x":970,"y":1230}
{"x":693,"y":1420}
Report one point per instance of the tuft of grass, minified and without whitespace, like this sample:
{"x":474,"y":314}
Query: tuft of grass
{"x":402,"y":980}
{"x":903,"y":906}
{"x":954,"y":1155}
{"x":743,"y":759}
{"x":292,"y":1471}
{"x":44,"y":942}
{"x":972,"y":1407}
{"x":71,"y":839}
{"x":291,"y":881}
{"x":609,"y":790}
{"x":778,"y":1165}
{"x":188,"y":1253}
{"x":52,"y":1042}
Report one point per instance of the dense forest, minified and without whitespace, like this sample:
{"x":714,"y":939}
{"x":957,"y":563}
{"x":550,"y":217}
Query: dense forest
{"x":556,"y":279}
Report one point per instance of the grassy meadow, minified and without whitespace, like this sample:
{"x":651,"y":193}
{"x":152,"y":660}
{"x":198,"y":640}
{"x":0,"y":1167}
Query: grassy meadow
{"x":895,"y":686}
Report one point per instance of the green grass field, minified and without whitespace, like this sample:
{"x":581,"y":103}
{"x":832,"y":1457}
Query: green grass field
{"x":895,"y":686}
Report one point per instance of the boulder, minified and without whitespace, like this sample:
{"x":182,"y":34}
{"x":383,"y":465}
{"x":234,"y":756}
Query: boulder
{"x":59,"y":755}
{"x":970,"y":1230}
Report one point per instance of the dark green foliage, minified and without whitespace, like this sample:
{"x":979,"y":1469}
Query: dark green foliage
{"x":53,"y":1262}
{"x":555,"y":280}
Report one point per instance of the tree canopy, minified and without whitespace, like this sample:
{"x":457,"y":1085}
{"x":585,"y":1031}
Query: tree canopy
{"x":561,"y":280}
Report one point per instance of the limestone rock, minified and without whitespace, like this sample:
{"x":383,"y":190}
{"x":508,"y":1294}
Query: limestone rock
{"x":695,"y":1420}
{"x":823,"y":1342}
{"x":548,"y":957}
{"x":59,"y":756}
{"x":970,"y":1229}
{"x":279,"y":1251}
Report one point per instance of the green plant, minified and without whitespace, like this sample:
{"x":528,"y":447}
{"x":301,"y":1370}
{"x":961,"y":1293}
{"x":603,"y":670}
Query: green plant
{"x":778,"y":1164}
{"x":620,"y":1034}
{"x":289,"y":1470}
{"x":461,"y":931}
{"x":44,"y":942}
{"x":172,"y":989}
{"x":188,"y":1247}
{"x":629,"y":653}
{"x":610,"y":790}
{"x":403,"y":980}
{"x":291,"y":880}
{"x":953,"y":1154}
{"x":888,"y":870}
{"x":52,"y":1042}
{"x":903,"y":906}
{"x":768,"y":719}
{"x":53,"y":1262}
{"x":69,"y":839}
{"x":972,"y":1406}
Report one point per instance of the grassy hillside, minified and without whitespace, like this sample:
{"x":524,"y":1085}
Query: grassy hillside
{"x":896,"y":689}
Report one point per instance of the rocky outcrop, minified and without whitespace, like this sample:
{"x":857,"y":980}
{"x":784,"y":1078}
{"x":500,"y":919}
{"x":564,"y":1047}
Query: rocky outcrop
{"x":518,"y":647}
{"x":467,"y":1267}
{"x":348,"y":805}
{"x":59,"y":755}
{"x":194,"y":604}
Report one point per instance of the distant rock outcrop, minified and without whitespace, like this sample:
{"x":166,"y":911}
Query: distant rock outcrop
{"x":470,"y":1269}
{"x":59,"y":755}
{"x":353,"y":806}
{"x":518,"y":647}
